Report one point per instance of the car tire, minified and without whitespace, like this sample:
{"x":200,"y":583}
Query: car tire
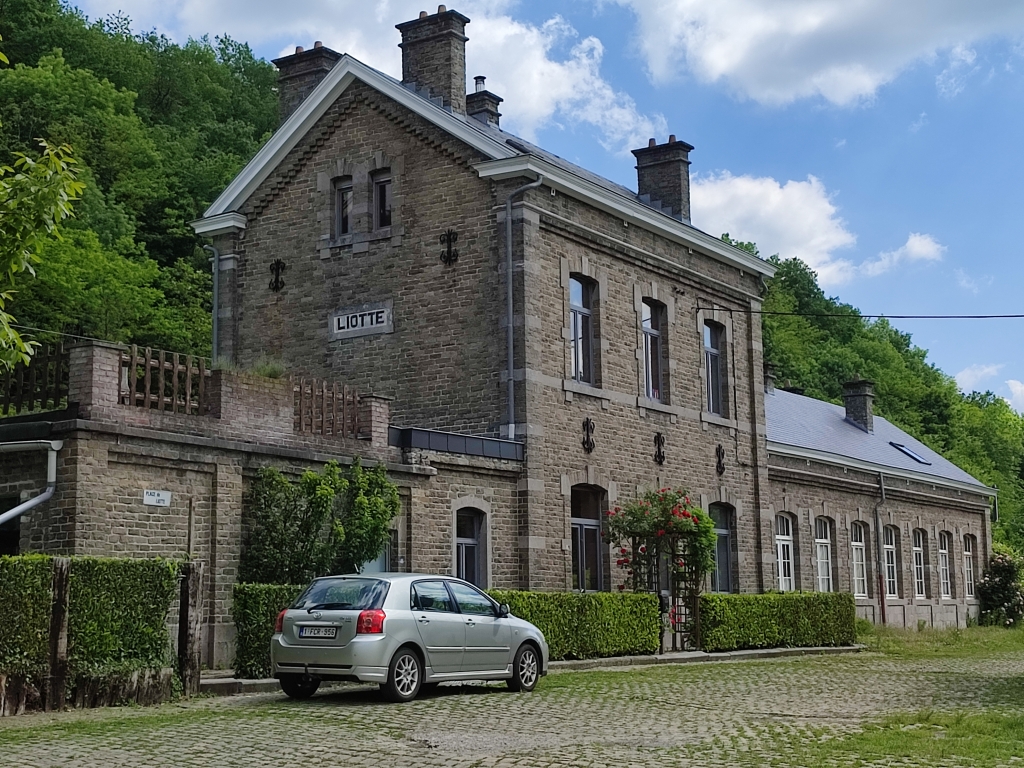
{"x":405,"y":676}
{"x":525,"y":668}
{"x":299,"y":686}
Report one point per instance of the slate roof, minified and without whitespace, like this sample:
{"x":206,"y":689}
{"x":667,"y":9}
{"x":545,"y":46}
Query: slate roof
{"x":803,"y":422}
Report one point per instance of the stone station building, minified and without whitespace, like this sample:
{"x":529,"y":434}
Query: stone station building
{"x":515,"y":393}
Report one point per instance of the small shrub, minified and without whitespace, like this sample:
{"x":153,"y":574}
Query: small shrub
{"x":999,"y":590}
{"x":25,"y":615}
{"x":864,"y":627}
{"x":776,"y":620}
{"x":268,"y":367}
{"x":254,"y":608}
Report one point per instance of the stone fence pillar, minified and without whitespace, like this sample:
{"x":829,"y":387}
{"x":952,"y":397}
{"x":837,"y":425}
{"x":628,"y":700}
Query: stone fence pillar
{"x":94,"y":377}
{"x":374,"y":419}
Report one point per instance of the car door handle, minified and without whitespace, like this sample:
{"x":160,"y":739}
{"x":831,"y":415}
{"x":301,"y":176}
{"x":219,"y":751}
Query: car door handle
{"x":423,"y":620}
{"x":470,"y":623}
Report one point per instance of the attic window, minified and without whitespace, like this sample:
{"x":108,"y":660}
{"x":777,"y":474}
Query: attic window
{"x":915,"y":456}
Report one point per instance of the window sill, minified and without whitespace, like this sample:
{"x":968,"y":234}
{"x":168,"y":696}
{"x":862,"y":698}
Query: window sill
{"x":360,"y":241}
{"x":713,"y":418}
{"x":656,"y":405}
{"x":579,"y":388}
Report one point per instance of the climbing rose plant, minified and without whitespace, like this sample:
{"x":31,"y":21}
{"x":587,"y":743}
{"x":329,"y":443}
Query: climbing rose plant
{"x":1000,"y":590}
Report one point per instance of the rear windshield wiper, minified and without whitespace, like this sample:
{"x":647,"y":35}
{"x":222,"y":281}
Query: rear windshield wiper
{"x":328,"y":607}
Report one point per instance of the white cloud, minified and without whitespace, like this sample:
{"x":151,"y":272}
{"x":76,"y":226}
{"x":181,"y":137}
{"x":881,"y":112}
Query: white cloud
{"x":841,"y":50}
{"x":917,"y":248}
{"x":1016,"y":394}
{"x":525,"y":64}
{"x":953,"y":79}
{"x":972,"y":284}
{"x":795,"y":219}
{"x":970,"y":377}
{"x":918,"y":124}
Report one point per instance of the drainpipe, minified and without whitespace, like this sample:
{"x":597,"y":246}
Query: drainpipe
{"x":879,"y":557}
{"x":509,"y":309}
{"x":216,"y":300}
{"x":51,"y":473}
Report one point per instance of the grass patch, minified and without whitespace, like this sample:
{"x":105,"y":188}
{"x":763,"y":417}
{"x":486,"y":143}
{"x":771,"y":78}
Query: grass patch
{"x":973,"y":642}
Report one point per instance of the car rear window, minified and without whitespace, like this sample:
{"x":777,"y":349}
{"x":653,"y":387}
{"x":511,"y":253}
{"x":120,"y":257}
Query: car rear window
{"x":354,"y":594}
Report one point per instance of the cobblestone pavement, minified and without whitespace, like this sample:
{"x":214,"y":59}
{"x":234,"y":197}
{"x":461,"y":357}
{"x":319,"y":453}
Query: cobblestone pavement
{"x":722,"y":714}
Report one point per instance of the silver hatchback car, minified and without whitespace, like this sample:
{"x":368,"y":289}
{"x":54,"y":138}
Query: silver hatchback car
{"x":405,"y":631}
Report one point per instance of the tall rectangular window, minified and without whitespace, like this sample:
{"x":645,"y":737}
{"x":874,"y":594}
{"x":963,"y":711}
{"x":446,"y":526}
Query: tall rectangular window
{"x":860,"y":560}
{"x":468,"y":560}
{"x":945,"y":579}
{"x":721,"y":572}
{"x":969,"y":569}
{"x":342,"y":207}
{"x":892,"y":588}
{"x":823,"y":553}
{"x":652,"y":315}
{"x":581,"y":328}
{"x":713,"y":367}
{"x":784,"y":552}
{"x":587,"y":560}
{"x":920,"y":583}
{"x":382,"y":200}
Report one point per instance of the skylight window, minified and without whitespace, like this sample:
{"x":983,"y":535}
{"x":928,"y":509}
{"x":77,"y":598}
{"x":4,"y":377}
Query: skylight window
{"x":915,"y":456}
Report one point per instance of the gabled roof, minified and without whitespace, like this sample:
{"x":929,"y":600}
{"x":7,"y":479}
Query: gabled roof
{"x":507,"y":156}
{"x":809,"y":428}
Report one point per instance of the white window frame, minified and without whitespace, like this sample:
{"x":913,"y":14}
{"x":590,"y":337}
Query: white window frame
{"x":713,"y":363}
{"x":892,"y":584}
{"x":722,"y":571}
{"x":477,"y":542}
{"x":784,"y":552}
{"x":651,"y":318}
{"x":859,"y":559}
{"x":823,"y":553}
{"x":920,"y":583}
{"x":969,"y":566}
{"x":581,"y":330}
{"x":945,"y":582}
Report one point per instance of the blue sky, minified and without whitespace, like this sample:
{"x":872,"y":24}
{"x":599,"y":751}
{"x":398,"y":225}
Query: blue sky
{"x":879,"y":141}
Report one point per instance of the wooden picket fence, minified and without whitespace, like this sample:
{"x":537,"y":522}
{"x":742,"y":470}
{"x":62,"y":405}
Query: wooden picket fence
{"x":40,"y":385}
{"x":325,"y":408}
{"x":165,"y":381}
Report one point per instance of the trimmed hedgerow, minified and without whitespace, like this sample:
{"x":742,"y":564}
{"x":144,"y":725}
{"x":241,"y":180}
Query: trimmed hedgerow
{"x":792,"y":619}
{"x":117,"y":614}
{"x":25,"y":600}
{"x":591,"y":625}
{"x":255,"y":608}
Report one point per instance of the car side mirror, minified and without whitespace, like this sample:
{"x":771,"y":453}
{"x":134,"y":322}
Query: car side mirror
{"x":503,"y":611}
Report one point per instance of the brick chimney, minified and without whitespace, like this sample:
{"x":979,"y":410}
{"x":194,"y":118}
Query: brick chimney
{"x":769,"y":378}
{"x":482,"y":104}
{"x":434,"y":56}
{"x":858,"y":396}
{"x":300,"y":73}
{"x":663,"y":176}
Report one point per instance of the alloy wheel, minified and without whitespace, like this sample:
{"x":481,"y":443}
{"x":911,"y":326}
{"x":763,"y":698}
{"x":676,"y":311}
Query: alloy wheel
{"x":407,"y":675}
{"x":528,"y":668}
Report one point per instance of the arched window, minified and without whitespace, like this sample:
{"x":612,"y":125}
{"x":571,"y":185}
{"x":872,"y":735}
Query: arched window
{"x":920,"y":546}
{"x":823,"y":553}
{"x":652,"y":320}
{"x":587,"y":555}
{"x":970,"y":564}
{"x":581,"y":328}
{"x":859,"y":559}
{"x":721,"y":573}
{"x":714,"y":365}
{"x":890,"y":552}
{"x":470,"y":548}
{"x":945,"y":574}
{"x":784,"y":552}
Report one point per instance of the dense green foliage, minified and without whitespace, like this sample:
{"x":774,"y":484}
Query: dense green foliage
{"x":255,"y":608}
{"x":25,"y":584}
{"x":329,"y":522}
{"x":589,"y":625}
{"x":776,"y":620}
{"x":117,"y":614}
{"x":827,"y":343}
{"x":1001,"y":590}
{"x":159,"y":129}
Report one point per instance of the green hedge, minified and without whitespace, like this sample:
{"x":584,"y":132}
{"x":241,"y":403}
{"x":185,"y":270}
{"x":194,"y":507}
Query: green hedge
{"x":792,"y":619}
{"x":25,"y":615}
{"x":584,"y":626}
{"x":117,"y":614}
{"x":255,"y":608}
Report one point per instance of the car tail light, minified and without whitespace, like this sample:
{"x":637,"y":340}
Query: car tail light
{"x":370,"y":623}
{"x":279,"y":624}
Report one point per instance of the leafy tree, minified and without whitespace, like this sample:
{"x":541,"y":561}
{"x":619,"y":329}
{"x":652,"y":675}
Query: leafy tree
{"x":1000,"y":590}
{"x":328,"y":522}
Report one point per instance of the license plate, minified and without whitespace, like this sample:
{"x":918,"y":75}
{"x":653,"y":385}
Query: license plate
{"x":328,"y":632}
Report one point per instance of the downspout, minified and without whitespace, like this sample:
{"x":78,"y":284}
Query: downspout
{"x":879,"y":558}
{"x":509,"y":309}
{"x":51,"y":474}
{"x":216,"y":300}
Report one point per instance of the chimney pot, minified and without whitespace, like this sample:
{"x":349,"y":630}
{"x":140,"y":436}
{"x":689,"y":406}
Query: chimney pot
{"x":442,"y":9}
{"x":299,"y":49}
{"x":300,"y":73}
{"x":671,"y":138}
{"x":652,"y":142}
{"x":423,"y":14}
{"x":858,"y":396}
{"x":318,"y":44}
{"x":480,"y":80}
{"x":434,"y":56}
{"x":663,"y":172}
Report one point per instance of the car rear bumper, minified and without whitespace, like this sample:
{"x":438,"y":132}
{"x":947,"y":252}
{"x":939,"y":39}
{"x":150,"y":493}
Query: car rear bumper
{"x":364,"y":659}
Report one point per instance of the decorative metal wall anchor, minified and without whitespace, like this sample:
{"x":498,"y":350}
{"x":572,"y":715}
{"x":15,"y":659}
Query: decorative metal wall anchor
{"x":659,"y":448}
{"x":720,"y":459}
{"x":449,"y":256}
{"x":588,"y":435}
{"x":277,"y":268}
